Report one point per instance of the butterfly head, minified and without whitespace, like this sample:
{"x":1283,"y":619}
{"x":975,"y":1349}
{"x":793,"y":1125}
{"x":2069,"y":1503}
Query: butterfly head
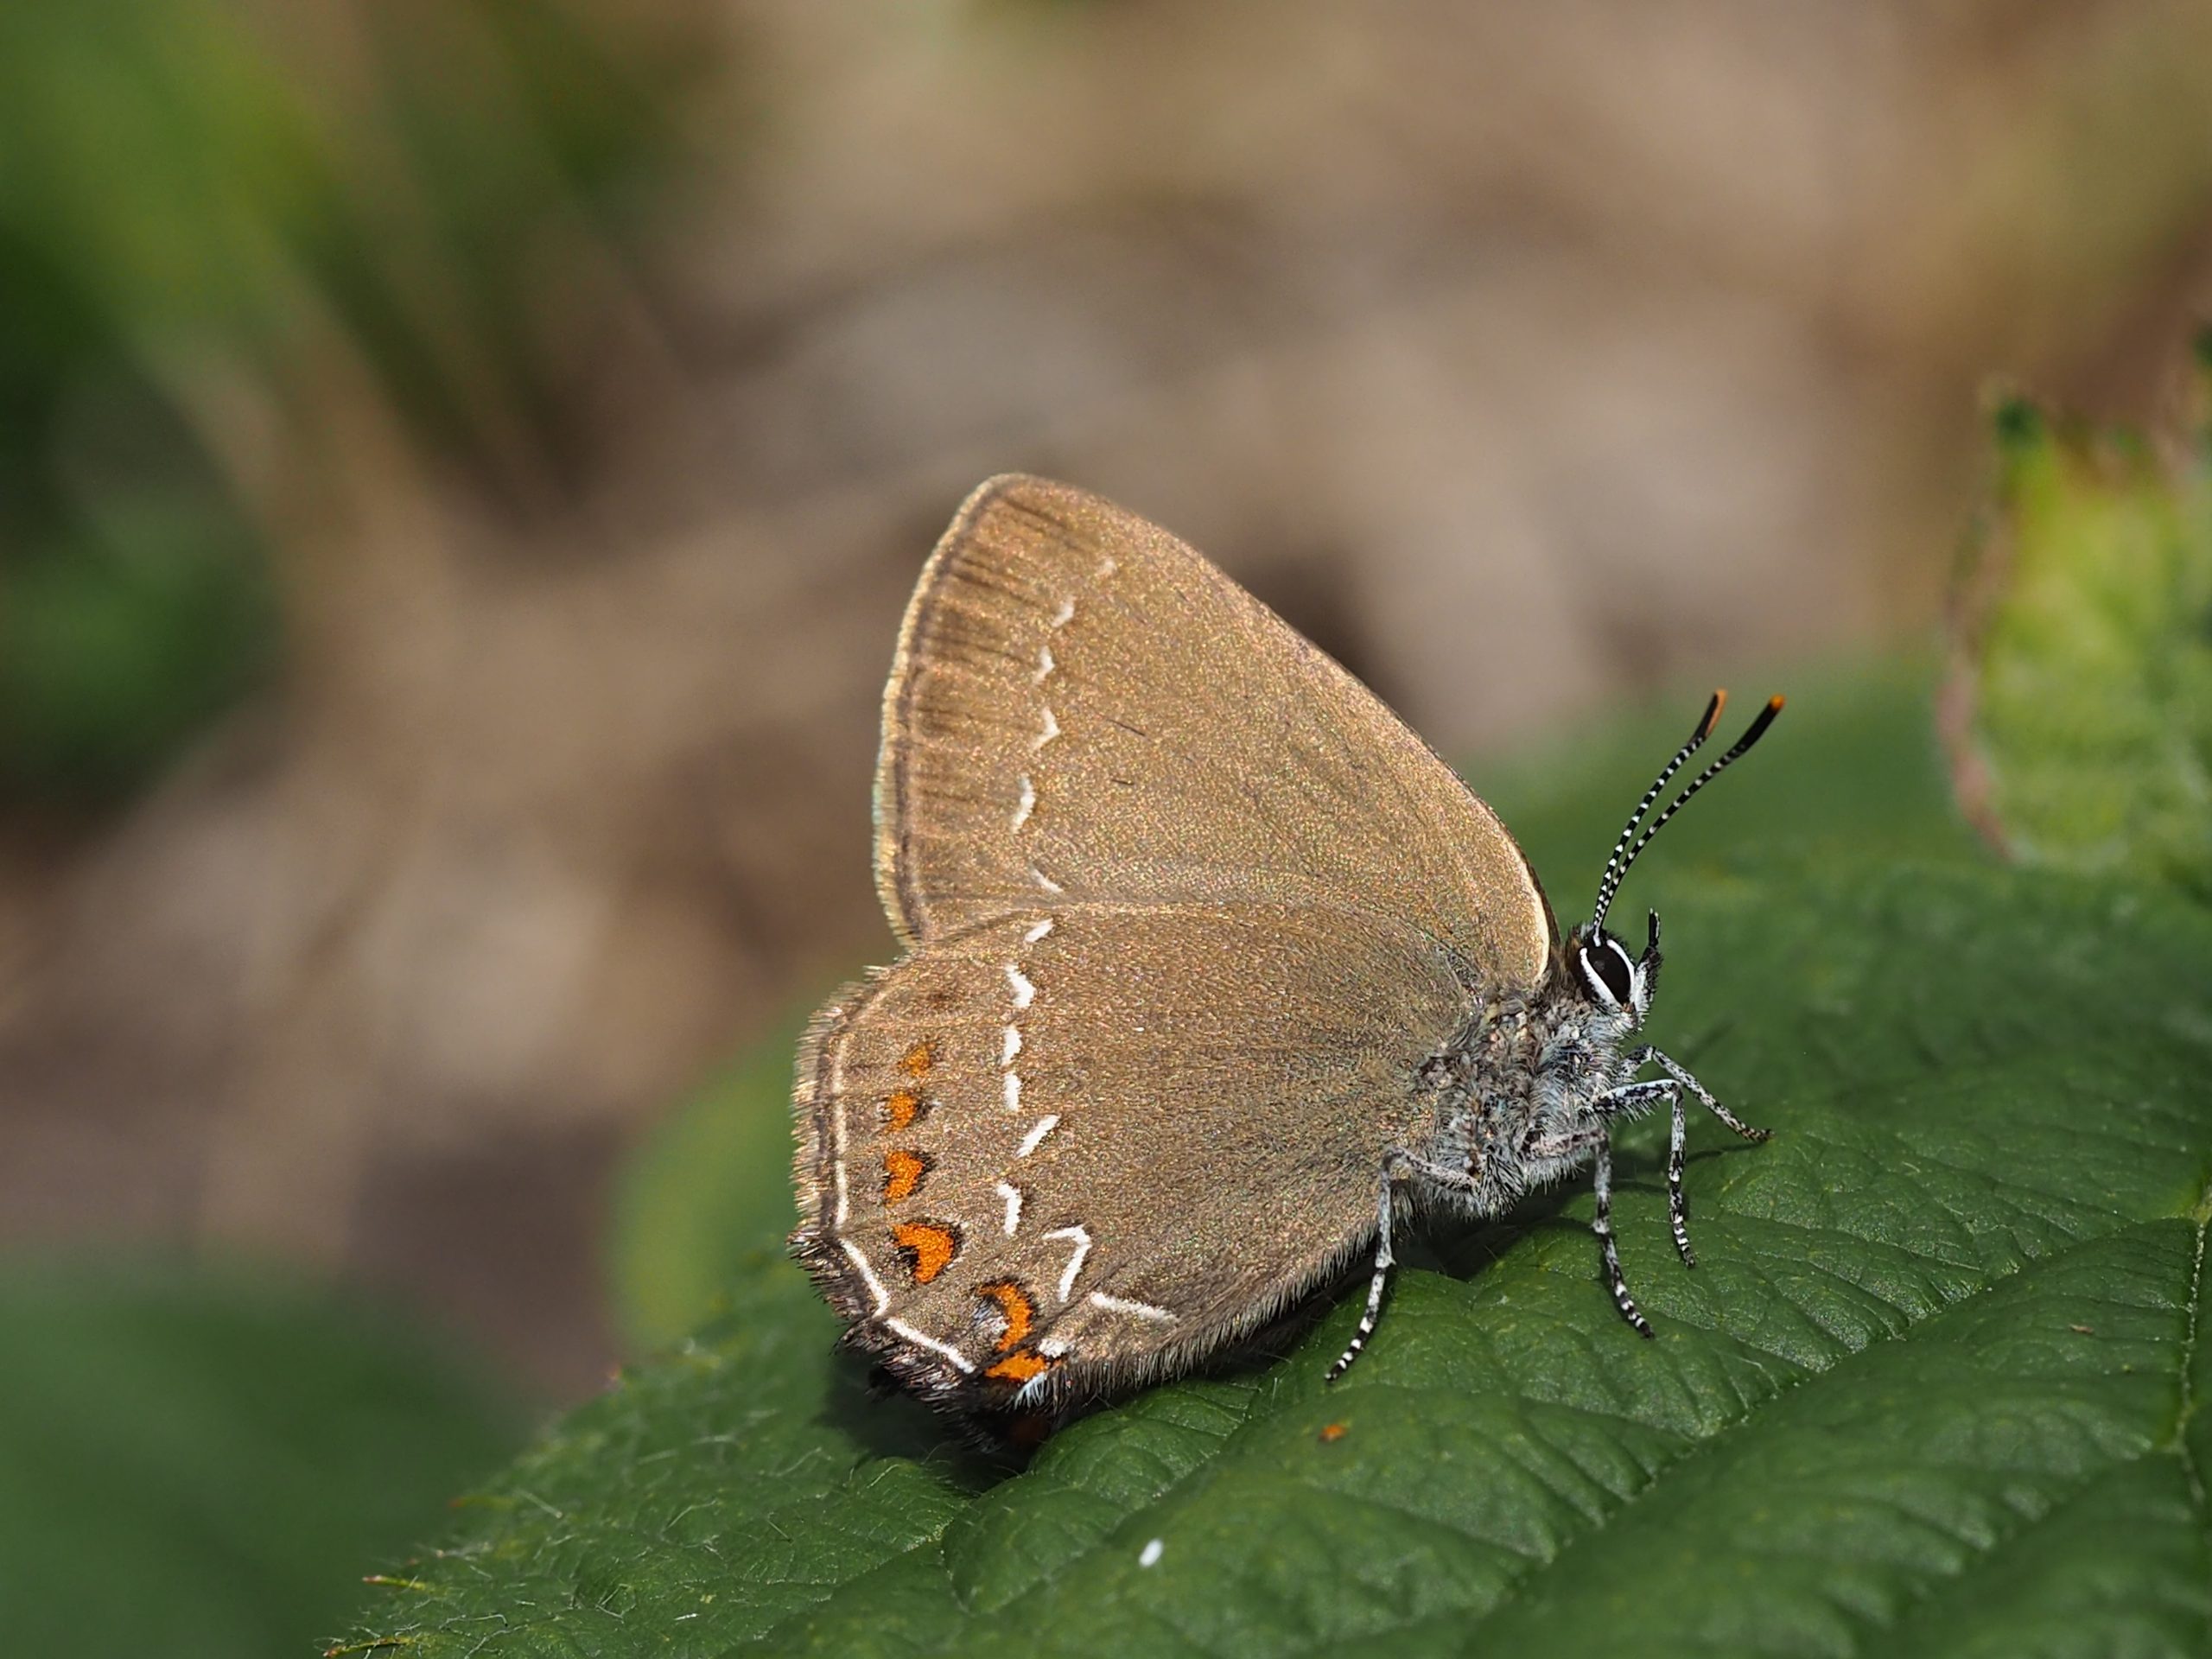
{"x":1604,"y":971}
{"x":1606,"y":974}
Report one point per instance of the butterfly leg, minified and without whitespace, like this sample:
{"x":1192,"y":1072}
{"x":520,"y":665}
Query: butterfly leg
{"x":1647,"y":1055}
{"x":1598,"y":1137}
{"x":1677,"y":1079}
{"x":1616,"y":1280}
{"x":1571,"y":1145}
{"x":1678,"y":1207}
{"x":1396,"y":1166}
{"x":1635,"y":1097}
{"x":1383,"y":1262}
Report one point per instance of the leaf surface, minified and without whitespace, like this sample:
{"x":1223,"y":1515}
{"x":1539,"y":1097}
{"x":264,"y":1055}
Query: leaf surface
{"x":1935,"y":1387}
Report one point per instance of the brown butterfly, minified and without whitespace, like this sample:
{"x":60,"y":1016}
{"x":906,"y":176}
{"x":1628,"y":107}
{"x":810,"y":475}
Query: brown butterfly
{"x":1213,"y":968}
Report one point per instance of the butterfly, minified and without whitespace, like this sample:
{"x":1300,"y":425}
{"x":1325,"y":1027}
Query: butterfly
{"x":1213,"y":971}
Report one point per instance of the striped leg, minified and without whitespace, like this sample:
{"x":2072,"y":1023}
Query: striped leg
{"x":1383,"y":1262}
{"x":1677,"y":1079}
{"x":1573,"y":1144}
{"x":1678,"y":1209}
{"x":1647,"y":1055}
{"x":1603,"y":1226}
{"x":1634,"y":1099}
{"x":1396,"y":1166}
{"x":1631,"y":1100}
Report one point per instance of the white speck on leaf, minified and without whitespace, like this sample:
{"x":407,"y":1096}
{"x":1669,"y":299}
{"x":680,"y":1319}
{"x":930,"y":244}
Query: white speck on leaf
{"x":1150,"y":1553}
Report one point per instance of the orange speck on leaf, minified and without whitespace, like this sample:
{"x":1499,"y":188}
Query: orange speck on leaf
{"x":917,"y":1060}
{"x":1332,"y":1432}
{"x":902,"y":1173}
{"x":901,"y":1108}
{"x":1019,"y":1312}
{"x":931,"y":1247}
{"x":1020,"y":1368}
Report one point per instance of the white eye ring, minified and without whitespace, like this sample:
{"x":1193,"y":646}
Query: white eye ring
{"x":1635,"y":1006}
{"x":1596,"y":980}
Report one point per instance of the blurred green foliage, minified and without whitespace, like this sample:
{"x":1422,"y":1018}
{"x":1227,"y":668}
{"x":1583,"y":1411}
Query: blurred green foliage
{"x":195,"y":194}
{"x":706,"y":1191}
{"x":1853,"y":765}
{"x":2087,"y":663}
{"x":204,"y":1464}
{"x":135,"y":599}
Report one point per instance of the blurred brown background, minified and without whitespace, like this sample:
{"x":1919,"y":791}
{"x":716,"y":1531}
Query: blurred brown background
{"x":461,"y":464}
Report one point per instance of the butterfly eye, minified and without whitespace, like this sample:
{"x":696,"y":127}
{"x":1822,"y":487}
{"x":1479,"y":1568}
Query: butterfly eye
{"x":1605,"y":963}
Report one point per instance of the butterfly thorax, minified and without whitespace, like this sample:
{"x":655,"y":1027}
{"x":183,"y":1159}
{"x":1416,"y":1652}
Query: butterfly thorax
{"x":1516,"y":1090}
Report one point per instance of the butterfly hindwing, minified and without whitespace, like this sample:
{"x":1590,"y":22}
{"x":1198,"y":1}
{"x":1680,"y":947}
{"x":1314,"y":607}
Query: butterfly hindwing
{"x":1086,"y":1144}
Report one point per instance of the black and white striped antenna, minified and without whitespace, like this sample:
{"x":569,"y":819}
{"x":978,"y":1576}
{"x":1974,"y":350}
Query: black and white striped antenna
{"x":1625,"y":854}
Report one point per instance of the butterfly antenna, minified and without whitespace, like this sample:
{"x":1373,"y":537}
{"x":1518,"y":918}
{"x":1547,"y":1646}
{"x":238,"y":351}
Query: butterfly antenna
{"x":1617,"y":866}
{"x":1736,"y":752}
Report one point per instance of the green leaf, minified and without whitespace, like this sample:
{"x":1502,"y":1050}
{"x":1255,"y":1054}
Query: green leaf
{"x":205,"y":1465}
{"x":1936,"y":1386}
{"x":2082,"y":710}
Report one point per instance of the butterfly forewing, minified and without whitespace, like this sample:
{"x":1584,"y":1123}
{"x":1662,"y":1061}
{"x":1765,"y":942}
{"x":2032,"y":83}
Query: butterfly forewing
{"x":1079,"y":1145}
{"x":1084,"y":708}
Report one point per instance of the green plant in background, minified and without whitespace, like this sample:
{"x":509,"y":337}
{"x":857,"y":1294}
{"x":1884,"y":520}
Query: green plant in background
{"x":703,"y":1197}
{"x":191,"y":200}
{"x":204,"y":1464}
{"x":2080,"y":709}
{"x":1936,"y":1388}
{"x":135,"y":600}
{"x":189,"y":193}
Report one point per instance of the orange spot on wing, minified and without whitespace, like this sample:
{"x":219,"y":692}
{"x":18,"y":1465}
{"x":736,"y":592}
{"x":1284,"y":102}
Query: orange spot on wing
{"x":1020,"y":1368}
{"x":918,"y":1059}
{"x":901,"y":1110}
{"x":929,"y":1247}
{"x":902,"y":1173}
{"x":1020,"y":1313}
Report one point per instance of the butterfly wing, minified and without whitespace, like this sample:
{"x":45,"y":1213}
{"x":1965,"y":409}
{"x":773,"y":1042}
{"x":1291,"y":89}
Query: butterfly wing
{"x":1078,"y":1147}
{"x":1083,"y":707}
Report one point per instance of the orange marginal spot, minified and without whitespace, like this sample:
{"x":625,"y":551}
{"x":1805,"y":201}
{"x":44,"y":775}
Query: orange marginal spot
{"x":1020,"y":1368}
{"x":931,"y":1247}
{"x":918,"y":1059}
{"x":902,"y":1173}
{"x":1332,"y":1432}
{"x":901,"y":1108}
{"x":1020,"y":1313}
